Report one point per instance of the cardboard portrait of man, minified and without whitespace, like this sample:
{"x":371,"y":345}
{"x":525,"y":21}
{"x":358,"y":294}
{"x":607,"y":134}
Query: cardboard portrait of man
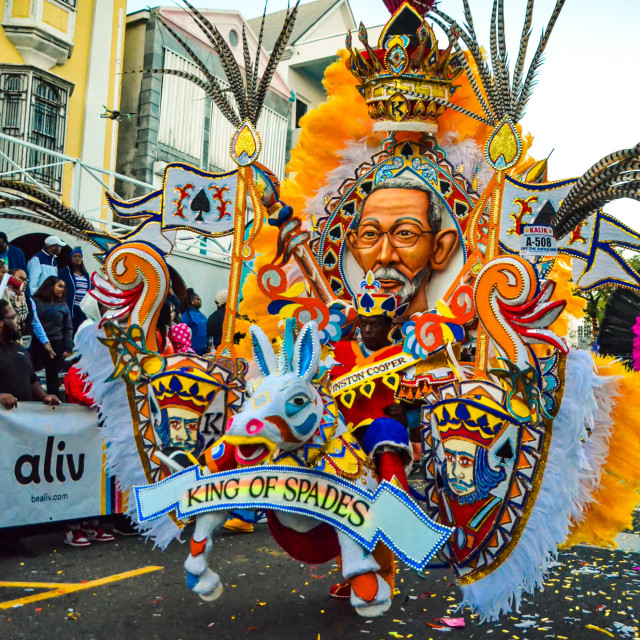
{"x":405,"y":235}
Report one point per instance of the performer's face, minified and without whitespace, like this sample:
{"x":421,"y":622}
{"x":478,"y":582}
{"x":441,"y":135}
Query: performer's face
{"x":460,"y":456}
{"x":394,"y":240}
{"x":375,"y":331}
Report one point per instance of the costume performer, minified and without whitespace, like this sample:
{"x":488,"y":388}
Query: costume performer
{"x":516,"y":443}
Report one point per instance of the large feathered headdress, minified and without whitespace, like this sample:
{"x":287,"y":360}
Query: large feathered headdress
{"x":248,"y":89}
{"x":21,"y":201}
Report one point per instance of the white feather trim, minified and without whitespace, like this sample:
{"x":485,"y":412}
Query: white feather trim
{"x":562,"y":495}
{"x":112,"y":402}
{"x":466,"y":153}
{"x":596,"y":448}
{"x":352,"y":156}
{"x":469,"y":154}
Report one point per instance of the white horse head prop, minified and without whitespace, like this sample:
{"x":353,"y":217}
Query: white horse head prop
{"x":283,"y":409}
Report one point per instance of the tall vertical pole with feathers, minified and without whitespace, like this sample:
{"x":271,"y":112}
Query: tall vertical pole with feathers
{"x":249,"y":89}
{"x":502,"y":98}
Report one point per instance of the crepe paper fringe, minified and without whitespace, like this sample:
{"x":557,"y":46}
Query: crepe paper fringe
{"x":112,"y":402}
{"x":559,"y":497}
{"x":325,"y":130}
{"x":618,"y":494}
{"x":636,"y":345}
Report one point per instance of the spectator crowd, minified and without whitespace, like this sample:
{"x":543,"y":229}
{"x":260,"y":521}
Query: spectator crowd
{"x":42,"y":307}
{"x":46,"y":302}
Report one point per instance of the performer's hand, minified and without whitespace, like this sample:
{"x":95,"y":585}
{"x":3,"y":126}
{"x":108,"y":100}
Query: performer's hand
{"x":278,"y":213}
{"x":49,"y":349}
{"x":51,"y":400}
{"x":8,"y":401}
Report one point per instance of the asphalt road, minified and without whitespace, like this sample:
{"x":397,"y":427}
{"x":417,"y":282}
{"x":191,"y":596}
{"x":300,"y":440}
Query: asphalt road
{"x":269,"y":595}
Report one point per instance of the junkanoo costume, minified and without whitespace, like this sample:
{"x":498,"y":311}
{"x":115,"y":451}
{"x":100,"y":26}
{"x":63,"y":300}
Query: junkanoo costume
{"x":516,"y":444}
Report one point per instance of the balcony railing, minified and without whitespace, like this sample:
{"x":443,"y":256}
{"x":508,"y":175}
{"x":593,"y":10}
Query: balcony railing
{"x":187,"y":243}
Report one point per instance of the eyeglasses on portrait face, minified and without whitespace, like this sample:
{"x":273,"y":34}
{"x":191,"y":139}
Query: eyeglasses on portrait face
{"x":401,"y":236}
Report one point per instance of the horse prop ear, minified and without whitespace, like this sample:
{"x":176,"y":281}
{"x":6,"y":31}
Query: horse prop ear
{"x":306,"y":353}
{"x":283,"y":361}
{"x":263,"y":351}
{"x":285,"y":354}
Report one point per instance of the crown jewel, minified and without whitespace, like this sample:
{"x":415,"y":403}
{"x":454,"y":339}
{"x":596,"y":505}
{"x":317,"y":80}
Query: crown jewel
{"x":400,"y":79}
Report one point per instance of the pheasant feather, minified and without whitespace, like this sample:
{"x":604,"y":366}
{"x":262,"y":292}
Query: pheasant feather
{"x":518,"y":70}
{"x":502,"y":68}
{"x":465,"y":66}
{"x":227,"y":59}
{"x":602,"y":164}
{"x":249,"y":94}
{"x":216,"y":92}
{"x":474,"y":49}
{"x":529,"y":82}
{"x":446,"y":103}
{"x":256,"y":68}
{"x":614,"y":176}
{"x":250,"y":87}
{"x":278,"y":49}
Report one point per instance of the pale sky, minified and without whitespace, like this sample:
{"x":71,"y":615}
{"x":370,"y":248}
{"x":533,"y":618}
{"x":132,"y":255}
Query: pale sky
{"x":587,"y":101}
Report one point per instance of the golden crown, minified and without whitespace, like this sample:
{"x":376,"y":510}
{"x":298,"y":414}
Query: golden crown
{"x":401,"y":78}
{"x":472,"y":417}
{"x":192,"y":390}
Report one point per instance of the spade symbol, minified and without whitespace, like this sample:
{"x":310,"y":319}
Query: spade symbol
{"x":505,"y":452}
{"x":545,"y":215}
{"x":200,"y":205}
{"x":406,"y":151}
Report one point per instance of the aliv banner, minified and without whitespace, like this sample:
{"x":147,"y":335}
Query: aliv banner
{"x":51,"y":465}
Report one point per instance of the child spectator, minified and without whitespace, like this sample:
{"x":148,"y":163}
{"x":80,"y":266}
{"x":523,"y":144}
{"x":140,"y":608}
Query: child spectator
{"x":196,"y":321}
{"x":180,"y":336}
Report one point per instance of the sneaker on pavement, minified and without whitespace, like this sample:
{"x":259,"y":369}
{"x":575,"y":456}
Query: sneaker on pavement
{"x":123,"y":527}
{"x":76,"y":538}
{"x":238,"y":526}
{"x":98,"y":535}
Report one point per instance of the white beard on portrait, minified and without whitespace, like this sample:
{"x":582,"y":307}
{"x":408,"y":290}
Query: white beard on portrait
{"x":409,"y":287}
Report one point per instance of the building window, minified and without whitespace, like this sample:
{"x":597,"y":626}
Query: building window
{"x":13,"y":93}
{"x":182,"y":109}
{"x":33,"y":109}
{"x":69,"y":3}
{"x":233,"y":38}
{"x":301,"y":109}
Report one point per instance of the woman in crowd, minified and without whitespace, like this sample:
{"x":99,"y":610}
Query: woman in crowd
{"x":77,"y":281}
{"x":55,"y":317}
{"x":196,"y":321}
{"x":27,"y":315}
{"x":166,"y":318}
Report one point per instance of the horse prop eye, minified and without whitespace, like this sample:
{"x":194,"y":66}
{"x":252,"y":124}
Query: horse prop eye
{"x":296,"y":404}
